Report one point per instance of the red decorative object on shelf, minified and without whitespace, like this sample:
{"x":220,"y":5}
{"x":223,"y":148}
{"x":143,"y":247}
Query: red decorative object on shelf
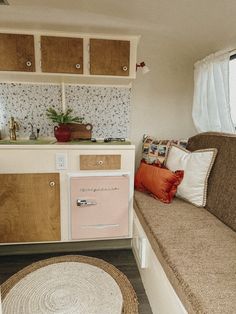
{"x":62,"y":133}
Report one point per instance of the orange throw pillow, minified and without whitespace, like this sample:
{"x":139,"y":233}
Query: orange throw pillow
{"x":161,"y":183}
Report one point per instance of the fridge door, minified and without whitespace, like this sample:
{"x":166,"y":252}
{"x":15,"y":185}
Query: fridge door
{"x":99,"y":207}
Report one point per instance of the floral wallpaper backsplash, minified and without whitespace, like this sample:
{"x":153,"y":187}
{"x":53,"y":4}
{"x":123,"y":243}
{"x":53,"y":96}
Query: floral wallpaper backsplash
{"x":106,"y":108}
{"x":27,"y":103}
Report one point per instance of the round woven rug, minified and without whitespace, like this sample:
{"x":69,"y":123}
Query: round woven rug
{"x":68,"y":285}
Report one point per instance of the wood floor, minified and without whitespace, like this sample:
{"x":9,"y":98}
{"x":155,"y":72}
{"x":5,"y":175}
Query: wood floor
{"x":122,"y":259}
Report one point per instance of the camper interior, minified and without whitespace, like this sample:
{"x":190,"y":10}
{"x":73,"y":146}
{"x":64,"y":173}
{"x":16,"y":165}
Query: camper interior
{"x":117,"y":157}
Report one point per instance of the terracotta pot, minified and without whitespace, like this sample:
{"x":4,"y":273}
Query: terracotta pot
{"x":62,"y":133}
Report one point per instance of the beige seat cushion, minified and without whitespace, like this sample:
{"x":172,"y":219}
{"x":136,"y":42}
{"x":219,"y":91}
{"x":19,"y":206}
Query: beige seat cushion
{"x":196,"y":250}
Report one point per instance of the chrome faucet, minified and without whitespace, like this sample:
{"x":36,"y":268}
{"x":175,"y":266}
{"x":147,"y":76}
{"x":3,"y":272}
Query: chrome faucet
{"x":13,"y":128}
{"x":32,"y":134}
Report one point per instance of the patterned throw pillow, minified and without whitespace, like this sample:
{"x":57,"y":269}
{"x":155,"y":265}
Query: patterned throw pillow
{"x":156,"y":150}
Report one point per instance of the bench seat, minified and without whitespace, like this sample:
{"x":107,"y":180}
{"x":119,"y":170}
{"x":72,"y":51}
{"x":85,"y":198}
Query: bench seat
{"x":196,"y":250}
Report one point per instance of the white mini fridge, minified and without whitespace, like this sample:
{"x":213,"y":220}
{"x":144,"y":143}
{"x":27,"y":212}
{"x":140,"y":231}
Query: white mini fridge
{"x":99,"y":206}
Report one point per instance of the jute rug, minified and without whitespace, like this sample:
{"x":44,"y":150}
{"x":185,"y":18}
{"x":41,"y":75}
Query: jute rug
{"x":68,"y":285}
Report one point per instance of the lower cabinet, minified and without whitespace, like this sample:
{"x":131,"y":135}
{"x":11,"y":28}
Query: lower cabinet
{"x":29,"y":207}
{"x":38,"y":205}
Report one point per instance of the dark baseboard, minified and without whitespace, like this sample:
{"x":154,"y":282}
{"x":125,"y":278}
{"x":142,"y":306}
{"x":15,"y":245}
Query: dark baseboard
{"x":62,"y":247}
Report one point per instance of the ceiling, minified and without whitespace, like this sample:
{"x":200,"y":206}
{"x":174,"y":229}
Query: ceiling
{"x":198,"y":26}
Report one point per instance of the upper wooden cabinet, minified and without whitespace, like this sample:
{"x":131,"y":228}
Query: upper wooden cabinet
{"x":17,"y":53}
{"x":109,"y":57}
{"x":50,"y":57}
{"x":62,"y":55}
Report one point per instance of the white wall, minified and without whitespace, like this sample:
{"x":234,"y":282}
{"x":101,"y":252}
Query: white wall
{"x":161,"y":100}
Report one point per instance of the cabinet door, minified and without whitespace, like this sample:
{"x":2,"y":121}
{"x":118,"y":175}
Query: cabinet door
{"x":29,"y":207}
{"x":109,"y":57}
{"x":62,"y":55}
{"x":99,"y":207}
{"x":17,"y":53}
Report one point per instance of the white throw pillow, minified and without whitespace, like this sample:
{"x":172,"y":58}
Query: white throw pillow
{"x":197,"y":166}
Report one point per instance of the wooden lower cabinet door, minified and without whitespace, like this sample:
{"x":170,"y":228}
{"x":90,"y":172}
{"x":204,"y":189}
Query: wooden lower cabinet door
{"x":29,"y":207}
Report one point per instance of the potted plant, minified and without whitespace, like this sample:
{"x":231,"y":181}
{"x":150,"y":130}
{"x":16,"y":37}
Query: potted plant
{"x":62,"y":131}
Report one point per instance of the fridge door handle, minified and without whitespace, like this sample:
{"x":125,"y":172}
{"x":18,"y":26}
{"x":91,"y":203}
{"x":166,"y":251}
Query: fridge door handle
{"x":80,"y":202}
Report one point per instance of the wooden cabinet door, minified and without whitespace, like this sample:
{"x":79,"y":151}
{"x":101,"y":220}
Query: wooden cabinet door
{"x":109,"y":57}
{"x":29,"y":207}
{"x":62,"y":55}
{"x":17,"y":52}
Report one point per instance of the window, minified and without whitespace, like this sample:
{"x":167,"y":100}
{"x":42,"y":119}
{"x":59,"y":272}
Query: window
{"x":232,"y":87}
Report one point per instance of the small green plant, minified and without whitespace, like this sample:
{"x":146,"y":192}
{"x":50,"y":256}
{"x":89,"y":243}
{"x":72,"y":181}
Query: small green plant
{"x":62,"y":117}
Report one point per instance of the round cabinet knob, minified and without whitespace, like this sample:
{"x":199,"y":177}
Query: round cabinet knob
{"x":77,"y":66}
{"x":100,"y":162}
{"x":125,"y":68}
{"x":52,"y":183}
{"x":28,"y":63}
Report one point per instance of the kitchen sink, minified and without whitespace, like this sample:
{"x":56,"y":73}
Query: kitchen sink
{"x":27,"y":142}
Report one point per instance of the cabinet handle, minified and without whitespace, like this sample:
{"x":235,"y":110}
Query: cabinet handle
{"x":52,"y":183}
{"x":100,"y":162}
{"x":77,"y":66}
{"x":125,"y":68}
{"x":28,"y":63}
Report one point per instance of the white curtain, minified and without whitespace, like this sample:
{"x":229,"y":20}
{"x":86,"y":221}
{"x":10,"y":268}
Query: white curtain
{"x":211,"y":106}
